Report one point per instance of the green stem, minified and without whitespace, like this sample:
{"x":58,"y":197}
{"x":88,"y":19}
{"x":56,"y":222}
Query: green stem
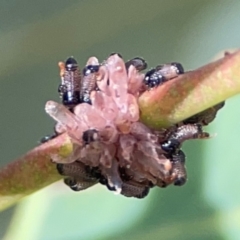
{"x":31,"y":172}
{"x":168,"y":104}
{"x":191,"y":93}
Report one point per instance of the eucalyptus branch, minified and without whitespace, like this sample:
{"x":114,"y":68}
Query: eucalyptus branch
{"x":31,"y":172}
{"x":191,"y":93}
{"x":168,"y":104}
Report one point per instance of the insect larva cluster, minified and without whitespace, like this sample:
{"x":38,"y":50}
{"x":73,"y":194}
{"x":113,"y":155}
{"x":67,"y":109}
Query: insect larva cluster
{"x":100,"y":113}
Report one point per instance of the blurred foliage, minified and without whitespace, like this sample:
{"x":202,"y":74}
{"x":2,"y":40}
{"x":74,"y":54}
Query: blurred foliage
{"x":35,"y":35}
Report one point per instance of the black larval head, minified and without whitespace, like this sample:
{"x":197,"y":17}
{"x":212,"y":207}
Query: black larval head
{"x":71,"y":64}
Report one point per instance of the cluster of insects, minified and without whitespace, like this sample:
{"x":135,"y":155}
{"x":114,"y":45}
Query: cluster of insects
{"x":99,"y":111}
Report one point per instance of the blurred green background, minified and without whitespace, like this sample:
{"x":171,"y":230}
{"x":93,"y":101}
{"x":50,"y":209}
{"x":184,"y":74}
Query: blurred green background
{"x":35,"y":35}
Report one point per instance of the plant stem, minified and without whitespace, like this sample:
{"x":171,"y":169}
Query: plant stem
{"x":164,"y":106}
{"x":191,"y":93}
{"x":33,"y":171}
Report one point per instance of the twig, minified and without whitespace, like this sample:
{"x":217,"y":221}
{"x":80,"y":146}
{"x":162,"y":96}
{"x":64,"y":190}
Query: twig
{"x":31,"y":172}
{"x":191,"y":93}
{"x":176,"y":100}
